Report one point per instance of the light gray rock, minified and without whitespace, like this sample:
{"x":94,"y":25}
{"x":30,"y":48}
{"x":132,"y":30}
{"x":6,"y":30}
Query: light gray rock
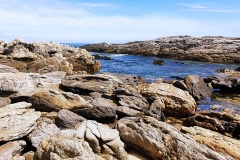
{"x":177,"y":102}
{"x":12,"y":150}
{"x":68,"y":119}
{"x":44,"y":130}
{"x":17,"y":120}
{"x":7,"y":69}
{"x":162,"y":141}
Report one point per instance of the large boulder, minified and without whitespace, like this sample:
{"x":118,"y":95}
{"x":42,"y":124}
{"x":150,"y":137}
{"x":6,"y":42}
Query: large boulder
{"x":215,"y":140}
{"x":177,"y":102}
{"x":159,"y":140}
{"x":196,"y":87}
{"x":17,"y":120}
{"x":12,"y":150}
{"x":55,"y":101}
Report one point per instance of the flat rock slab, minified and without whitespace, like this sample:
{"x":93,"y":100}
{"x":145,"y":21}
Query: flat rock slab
{"x":17,"y":120}
{"x":159,"y":140}
{"x":215,"y":140}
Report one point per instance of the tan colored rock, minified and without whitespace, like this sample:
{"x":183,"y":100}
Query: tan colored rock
{"x":12,"y":150}
{"x":159,"y":140}
{"x":177,"y":102}
{"x":65,"y":147}
{"x":4,"y":101}
{"x":17,"y":120}
{"x":55,"y":101}
{"x":215,"y":141}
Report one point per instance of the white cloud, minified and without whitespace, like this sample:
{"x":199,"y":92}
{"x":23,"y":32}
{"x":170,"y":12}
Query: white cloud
{"x":57,"y":20}
{"x":192,"y":6}
{"x":199,"y":7}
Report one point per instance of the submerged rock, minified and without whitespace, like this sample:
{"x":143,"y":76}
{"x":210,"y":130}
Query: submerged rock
{"x":158,"y":62}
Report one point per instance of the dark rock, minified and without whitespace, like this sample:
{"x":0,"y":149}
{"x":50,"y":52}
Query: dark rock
{"x":177,"y":77}
{"x":237,"y":69}
{"x":209,"y":79}
{"x":181,"y":85}
{"x":97,"y":113}
{"x":158,"y":62}
{"x":224,"y":123}
{"x":196,"y":87}
{"x":97,"y":56}
{"x":68,"y":119}
{"x":223,"y":70}
{"x":231,"y":85}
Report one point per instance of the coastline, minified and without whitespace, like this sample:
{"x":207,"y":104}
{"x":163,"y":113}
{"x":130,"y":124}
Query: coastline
{"x":54,"y":107}
{"x":216,"y":49}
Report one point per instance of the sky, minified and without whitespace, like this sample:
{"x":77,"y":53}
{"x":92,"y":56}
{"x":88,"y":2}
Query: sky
{"x":116,"y":21}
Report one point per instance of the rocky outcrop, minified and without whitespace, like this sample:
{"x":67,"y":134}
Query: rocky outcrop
{"x":12,"y":150}
{"x":159,"y":140}
{"x":55,"y":101}
{"x":109,"y":94}
{"x":215,"y":140}
{"x":17,"y":120}
{"x":177,"y":102}
{"x":224,"y":123}
{"x":84,"y":142}
{"x":206,"y":49}
{"x":42,"y":57}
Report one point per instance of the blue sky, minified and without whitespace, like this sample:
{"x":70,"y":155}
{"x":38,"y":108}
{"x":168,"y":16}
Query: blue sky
{"x":116,"y":21}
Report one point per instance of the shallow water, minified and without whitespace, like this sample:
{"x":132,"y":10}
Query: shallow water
{"x":144,"y":67}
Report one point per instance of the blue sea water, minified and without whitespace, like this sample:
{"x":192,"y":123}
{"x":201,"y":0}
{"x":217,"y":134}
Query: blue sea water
{"x":144,"y":67}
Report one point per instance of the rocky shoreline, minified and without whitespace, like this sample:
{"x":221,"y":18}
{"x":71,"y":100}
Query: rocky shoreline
{"x":52,"y":107}
{"x":206,"y":49}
